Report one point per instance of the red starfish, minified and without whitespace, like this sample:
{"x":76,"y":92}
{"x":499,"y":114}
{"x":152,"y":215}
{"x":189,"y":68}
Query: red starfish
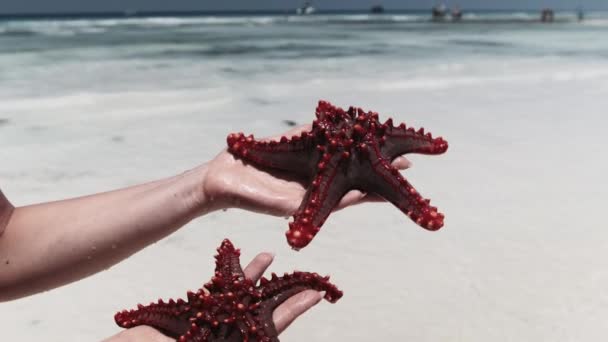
{"x":345,"y":150}
{"x":233,"y":310}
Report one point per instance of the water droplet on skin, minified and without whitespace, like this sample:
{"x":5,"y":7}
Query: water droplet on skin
{"x":93,"y":248}
{"x":114,"y":246}
{"x":89,"y":257}
{"x":211,"y":199}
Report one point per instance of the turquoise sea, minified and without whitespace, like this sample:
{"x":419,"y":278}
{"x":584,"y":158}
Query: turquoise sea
{"x":38,"y":56}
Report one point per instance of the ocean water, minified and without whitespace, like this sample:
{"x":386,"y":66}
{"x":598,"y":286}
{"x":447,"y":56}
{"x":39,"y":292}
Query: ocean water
{"x":91,"y":104}
{"x":38,"y":57}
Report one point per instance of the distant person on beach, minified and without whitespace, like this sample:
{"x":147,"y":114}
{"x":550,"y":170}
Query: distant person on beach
{"x":48,"y":245}
{"x":547,"y":15}
{"x":456,"y":13}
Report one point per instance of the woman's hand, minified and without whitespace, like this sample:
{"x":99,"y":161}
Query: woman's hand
{"x":229,"y":182}
{"x":283,"y":315}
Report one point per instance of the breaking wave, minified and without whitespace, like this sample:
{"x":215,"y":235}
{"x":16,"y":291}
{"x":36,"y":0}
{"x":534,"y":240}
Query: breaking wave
{"x":59,"y":27}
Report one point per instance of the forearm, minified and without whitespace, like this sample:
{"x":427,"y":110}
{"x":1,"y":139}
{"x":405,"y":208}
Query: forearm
{"x":51,"y":244}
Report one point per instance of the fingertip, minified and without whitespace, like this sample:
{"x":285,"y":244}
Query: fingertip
{"x":266,"y":257}
{"x":258,"y":266}
{"x":402,"y":163}
{"x":317,"y":297}
{"x":311,"y":297}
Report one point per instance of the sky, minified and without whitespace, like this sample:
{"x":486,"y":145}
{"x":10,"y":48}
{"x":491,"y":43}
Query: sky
{"x":46,"y":6}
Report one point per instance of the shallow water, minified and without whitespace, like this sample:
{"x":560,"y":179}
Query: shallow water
{"x":111,"y":55}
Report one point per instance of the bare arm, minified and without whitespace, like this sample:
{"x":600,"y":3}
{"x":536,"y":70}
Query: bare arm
{"x":48,"y":245}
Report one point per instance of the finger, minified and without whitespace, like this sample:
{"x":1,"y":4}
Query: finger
{"x":371,"y":198}
{"x":292,"y":308}
{"x":355,"y":197}
{"x":401,"y":163}
{"x":352,"y":197}
{"x":258,"y":266}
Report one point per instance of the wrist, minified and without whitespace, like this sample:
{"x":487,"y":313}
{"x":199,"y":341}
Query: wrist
{"x":218,"y":190}
{"x":195,"y":197}
{"x":6,"y":211}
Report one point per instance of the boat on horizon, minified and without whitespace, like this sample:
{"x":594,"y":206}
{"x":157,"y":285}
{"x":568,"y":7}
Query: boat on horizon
{"x":377,"y":9}
{"x":439,"y":12}
{"x":130,"y":12}
{"x":306,"y":9}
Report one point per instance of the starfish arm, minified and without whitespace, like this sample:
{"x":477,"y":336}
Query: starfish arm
{"x":324,"y":193}
{"x":227,"y":266}
{"x":196,"y":334}
{"x":268,"y":332}
{"x":169,"y":318}
{"x":398,"y":140}
{"x":297,"y":155}
{"x":233,"y":310}
{"x":255,"y":328}
{"x":277,"y":290}
{"x":389,"y":184}
{"x":244,"y":329}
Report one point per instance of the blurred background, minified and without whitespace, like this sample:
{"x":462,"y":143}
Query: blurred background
{"x":100,"y":95}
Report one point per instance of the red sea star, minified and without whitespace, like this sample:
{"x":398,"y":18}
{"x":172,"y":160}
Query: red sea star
{"x":233,"y":309}
{"x":345,"y":150}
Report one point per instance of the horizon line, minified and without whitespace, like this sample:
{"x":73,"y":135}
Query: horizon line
{"x":137,"y":13}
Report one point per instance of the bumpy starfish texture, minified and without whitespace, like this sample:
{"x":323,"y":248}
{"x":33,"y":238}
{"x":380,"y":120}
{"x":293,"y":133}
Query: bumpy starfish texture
{"x":233,"y":309}
{"x":345,"y":150}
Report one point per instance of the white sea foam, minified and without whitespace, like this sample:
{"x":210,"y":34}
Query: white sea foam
{"x":63,"y":27}
{"x":596,"y":22}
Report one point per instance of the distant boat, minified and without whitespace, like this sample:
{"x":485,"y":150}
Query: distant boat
{"x":439,"y":12}
{"x":130,"y":13}
{"x":306,"y":9}
{"x":377,"y":9}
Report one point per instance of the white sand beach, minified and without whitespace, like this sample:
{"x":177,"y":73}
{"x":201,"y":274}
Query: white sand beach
{"x":522,"y":256}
